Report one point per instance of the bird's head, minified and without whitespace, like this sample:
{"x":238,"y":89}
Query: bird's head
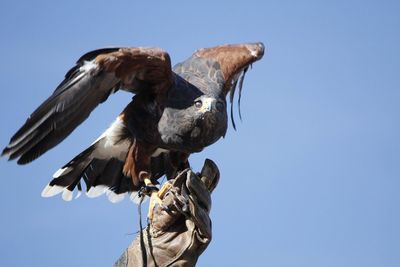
{"x":205,"y":104}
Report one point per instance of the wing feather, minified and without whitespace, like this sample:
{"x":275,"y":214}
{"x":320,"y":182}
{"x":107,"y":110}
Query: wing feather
{"x":96,"y":76}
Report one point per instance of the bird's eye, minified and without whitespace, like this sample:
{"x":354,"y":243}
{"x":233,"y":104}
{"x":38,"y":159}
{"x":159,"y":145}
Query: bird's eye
{"x":198,"y":104}
{"x":220,"y":105}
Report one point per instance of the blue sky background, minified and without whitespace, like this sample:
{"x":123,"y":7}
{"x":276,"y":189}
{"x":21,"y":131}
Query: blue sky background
{"x":310,"y":178}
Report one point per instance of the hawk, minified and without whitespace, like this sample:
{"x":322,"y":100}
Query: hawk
{"x":174,"y":112}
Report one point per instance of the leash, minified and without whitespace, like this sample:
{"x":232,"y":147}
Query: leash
{"x":142,"y":245}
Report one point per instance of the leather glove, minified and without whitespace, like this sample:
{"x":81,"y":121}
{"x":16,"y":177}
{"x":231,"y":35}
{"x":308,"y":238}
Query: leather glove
{"x":180,"y":230}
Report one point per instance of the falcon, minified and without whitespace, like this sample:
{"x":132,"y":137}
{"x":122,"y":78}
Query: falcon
{"x":174,"y":112}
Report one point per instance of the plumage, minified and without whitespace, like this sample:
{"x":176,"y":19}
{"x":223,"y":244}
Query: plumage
{"x":174,"y":112}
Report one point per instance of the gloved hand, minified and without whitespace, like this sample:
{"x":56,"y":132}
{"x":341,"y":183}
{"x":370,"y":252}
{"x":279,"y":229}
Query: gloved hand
{"x":180,"y":230}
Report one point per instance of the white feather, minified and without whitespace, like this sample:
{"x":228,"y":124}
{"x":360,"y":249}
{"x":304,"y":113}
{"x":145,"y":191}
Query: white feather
{"x":79,"y":194}
{"x":113,"y":197}
{"x":134,"y":197}
{"x":96,"y":191}
{"x":67,"y":195}
{"x":88,"y":66}
{"x":109,"y":143}
{"x":62,"y":171}
{"x":254,"y":53}
{"x":50,"y":191}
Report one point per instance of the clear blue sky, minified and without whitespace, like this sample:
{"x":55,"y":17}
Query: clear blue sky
{"x":310,"y":178}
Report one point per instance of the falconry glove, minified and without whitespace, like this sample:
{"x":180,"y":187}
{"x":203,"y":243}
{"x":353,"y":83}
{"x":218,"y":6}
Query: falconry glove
{"x":180,"y":230}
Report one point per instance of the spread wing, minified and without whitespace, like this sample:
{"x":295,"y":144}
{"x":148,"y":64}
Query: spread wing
{"x":234,"y":61}
{"x":96,"y":75}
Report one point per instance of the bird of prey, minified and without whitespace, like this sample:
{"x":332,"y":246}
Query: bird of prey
{"x":174,"y":112}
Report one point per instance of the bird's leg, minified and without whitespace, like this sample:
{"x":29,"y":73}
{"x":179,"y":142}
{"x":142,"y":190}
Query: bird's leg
{"x":155,"y":195}
{"x":154,"y":200}
{"x":151,"y":190}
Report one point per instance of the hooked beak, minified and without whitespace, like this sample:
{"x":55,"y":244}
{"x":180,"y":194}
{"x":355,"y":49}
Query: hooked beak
{"x":208,"y":105}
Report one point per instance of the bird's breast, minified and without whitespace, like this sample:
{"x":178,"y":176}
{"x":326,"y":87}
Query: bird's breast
{"x":187,"y":131}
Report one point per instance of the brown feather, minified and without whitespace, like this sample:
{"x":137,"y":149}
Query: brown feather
{"x":233,"y":59}
{"x":151,"y":65}
{"x":138,"y":161}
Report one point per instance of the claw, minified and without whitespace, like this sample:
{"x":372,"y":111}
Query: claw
{"x":164,"y":189}
{"x":154,"y":200}
{"x":156,"y":196}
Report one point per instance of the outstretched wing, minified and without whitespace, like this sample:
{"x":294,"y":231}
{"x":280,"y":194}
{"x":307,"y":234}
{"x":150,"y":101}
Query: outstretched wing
{"x":96,"y":75}
{"x":234,"y":61}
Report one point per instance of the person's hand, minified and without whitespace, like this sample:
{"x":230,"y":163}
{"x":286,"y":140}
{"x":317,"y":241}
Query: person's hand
{"x":181,"y":227}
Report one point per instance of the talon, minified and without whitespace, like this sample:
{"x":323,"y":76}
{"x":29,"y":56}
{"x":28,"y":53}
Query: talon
{"x":146,"y":179}
{"x":164,"y":189}
{"x":154,"y":200}
{"x":155,"y":194}
{"x":151,"y":190}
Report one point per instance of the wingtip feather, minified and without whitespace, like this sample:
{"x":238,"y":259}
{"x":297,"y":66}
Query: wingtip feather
{"x":67,"y":195}
{"x":96,"y":191}
{"x":51,"y":190}
{"x":5,"y":151}
{"x":113,"y":197}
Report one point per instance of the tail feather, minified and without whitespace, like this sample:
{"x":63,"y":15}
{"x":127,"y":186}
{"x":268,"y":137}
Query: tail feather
{"x":68,"y":177}
{"x":100,"y":167}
